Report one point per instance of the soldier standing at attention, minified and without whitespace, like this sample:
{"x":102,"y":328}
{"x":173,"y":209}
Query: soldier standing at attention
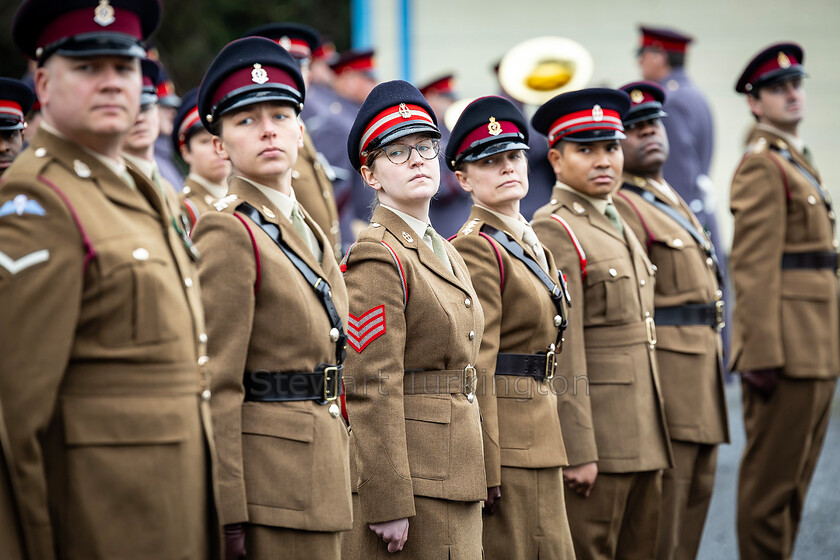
{"x":786,"y":338}
{"x":523,"y":298}
{"x":276,"y":308}
{"x":16,"y":99}
{"x":414,"y":333}
{"x":102,"y":357}
{"x":689,"y":314}
{"x":208,"y":172}
{"x":610,"y":406}
{"x":312,"y":175}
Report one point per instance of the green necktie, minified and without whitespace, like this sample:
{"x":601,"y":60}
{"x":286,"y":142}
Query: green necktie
{"x":299,"y":223}
{"x":612,"y":215}
{"x":438,"y":248}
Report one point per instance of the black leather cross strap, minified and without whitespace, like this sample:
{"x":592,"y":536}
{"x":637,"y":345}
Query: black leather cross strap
{"x":558,"y":292}
{"x":811,"y":259}
{"x":322,"y":385}
{"x":710,"y":314}
{"x":525,"y":365}
{"x":788,"y":156}
{"x":319,"y":285}
{"x":684,"y":223}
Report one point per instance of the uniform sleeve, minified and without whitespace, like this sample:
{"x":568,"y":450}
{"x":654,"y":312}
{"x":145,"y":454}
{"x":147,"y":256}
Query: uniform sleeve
{"x":571,"y":382}
{"x":41,"y":279}
{"x":483,"y":265}
{"x":374,"y":382}
{"x":227,"y":273}
{"x":758,"y":206}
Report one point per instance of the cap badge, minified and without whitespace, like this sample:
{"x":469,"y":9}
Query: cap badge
{"x":407,"y":237}
{"x":783,"y":59}
{"x":285,"y":42}
{"x":494,"y":128}
{"x":597,"y":113}
{"x":103,"y":14}
{"x":405,"y":112}
{"x":639,"y":181}
{"x":267,"y":211}
{"x":636,"y":96}
{"x":258,"y":74}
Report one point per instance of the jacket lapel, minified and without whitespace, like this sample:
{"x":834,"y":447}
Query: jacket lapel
{"x":492,"y":220}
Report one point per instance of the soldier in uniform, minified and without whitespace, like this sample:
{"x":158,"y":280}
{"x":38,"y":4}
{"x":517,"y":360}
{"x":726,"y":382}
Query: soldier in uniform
{"x":451,"y":206}
{"x":16,"y":100}
{"x":276,"y":308}
{"x":523,"y":299}
{"x":414,"y":332}
{"x":312,"y":175}
{"x":689,"y":314}
{"x":610,"y":402}
{"x":786,"y":337}
{"x":208,"y":172}
{"x":102,"y":358}
{"x":10,"y":530}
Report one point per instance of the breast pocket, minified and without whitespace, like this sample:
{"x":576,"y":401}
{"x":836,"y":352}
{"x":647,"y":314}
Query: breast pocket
{"x":611,"y":296}
{"x":277,"y":455}
{"x":676,"y":258}
{"x":137,"y":288}
{"x":427,"y":435}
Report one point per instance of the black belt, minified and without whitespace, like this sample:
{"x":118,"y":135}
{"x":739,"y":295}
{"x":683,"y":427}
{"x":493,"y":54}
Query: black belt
{"x":538,"y":366}
{"x":323,"y":385}
{"x":711,"y":314}
{"x":812,"y":259}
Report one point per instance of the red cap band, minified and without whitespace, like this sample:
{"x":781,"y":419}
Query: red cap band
{"x":487,"y":130}
{"x":252,"y":75}
{"x":390,"y":117}
{"x":580,"y":121}
{"x":780,"y":62}
{"x":364,"y":64}
{"x":165,"y":89}
{"x":664,"y":44}
{"x":441,"y":86}
{"x":189,"y":121}
{"x":84,"y":21}
{"x":296,"y":47}
{"x":11,"y":110}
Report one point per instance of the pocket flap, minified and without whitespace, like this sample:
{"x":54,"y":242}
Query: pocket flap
{"x":428,"y":409}
{"x":279,"y":421}
{"x":604,"y":272}
{"x":609,"y":368}
{"x":123,"y":420}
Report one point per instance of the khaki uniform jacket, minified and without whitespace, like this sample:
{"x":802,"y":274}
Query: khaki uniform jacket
{"x":282,"y":464}
{"x":782,"y":318}
{"x":610,"y":400}
{"x":100,"y":376}
{"x":195,"y":201}
{"x":314,"y":190}
{"x":411,"y":444}
{"x":689,"y":356}
{"x":11,"y":536}
{"x":520,"y":424}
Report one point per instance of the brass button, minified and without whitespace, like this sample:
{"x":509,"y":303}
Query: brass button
{"x":647,"y":313}
{"x":141,"y":254}
{"x":470,"y":397}
{"x":40,"y":152}
{"x":188,"y":282}
{"x":334,"y":410}
{"x":709,"y":261}
{"x":678,"y":242}
{"x":812,"y":200}
{"x":472,"y":335}
{"x":613,"y":272}
{"x":558,"y":320}
{"x":374,"y":224}
{"x":642,"y":282}
{"x":202,"y":338}
{"x":205,"y":395}
{"x":334,"y":334}
{"x":467,"y":302}
{"x":553,"y":201}
{"x":203,"y":360}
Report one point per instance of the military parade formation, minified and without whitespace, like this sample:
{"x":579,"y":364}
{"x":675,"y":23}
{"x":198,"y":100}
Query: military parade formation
{"x":371,"y":319}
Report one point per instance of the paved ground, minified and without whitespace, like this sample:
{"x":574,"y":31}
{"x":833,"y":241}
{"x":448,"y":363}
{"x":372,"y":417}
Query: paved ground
{"x":819,"y":535}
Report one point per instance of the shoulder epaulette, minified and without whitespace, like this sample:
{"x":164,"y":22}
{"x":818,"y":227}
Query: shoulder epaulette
{"x":224,"y":202}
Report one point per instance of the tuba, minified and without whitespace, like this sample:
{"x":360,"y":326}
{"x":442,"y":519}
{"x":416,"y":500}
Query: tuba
{"x":536,"y":70}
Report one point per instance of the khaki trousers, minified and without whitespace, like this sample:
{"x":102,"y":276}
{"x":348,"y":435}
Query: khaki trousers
{"x":530,"y":522}
{"x":785,"y":435}
{"x":439,"y":530}
{"x":619,"y":519}
{"x":686,"y":494}
{"x":263,"y":542}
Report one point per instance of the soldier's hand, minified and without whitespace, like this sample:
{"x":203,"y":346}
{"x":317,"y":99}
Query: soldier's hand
{"x":494,"y":494}
{"x":762,"y":381}
{"x":581,"y":478}
{"x":395,"y":533}
{"x":235,"y":542}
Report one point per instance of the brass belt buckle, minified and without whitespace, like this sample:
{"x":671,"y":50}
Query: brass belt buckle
{"x":550,"y":363}
{"x":650,"y":327}
{"x":720,"y":314}
{"x":331,"y":370}
{"x":470,"y":382}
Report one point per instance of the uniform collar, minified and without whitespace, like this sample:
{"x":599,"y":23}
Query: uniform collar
{"x":515,"y":225}
{"x":600,"y":204}
{"x":797,"y":143}
{"x":286,"y":204}
{"x":418,"y":226}
{"x":216,"y":191}
{"x":118,"y":167}
{"x":145,"y":166}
